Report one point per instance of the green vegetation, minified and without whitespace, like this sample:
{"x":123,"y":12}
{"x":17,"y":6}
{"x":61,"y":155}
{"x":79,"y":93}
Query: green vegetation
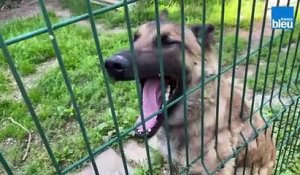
{"x":286,"y":131}
{"x":277,"y":61}
{"x":158,"y":164}
{"x":2,"y":2}
{"x":50,"y":97}
{"x":52,"y":102}
{"x":144,"y":11}
{"x":229,"y":48}
{"x":27,"y":58}
{"x":4,"y":83}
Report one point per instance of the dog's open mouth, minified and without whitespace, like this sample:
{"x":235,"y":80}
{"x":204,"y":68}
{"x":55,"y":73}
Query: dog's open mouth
{"x":152,"y":102}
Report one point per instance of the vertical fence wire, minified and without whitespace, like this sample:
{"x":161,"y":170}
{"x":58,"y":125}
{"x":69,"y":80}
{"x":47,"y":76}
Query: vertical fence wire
{"x":219,"y":79}
{"x":234,"y":60}
{"x":28,"y":103}
{"x":280,"y":95}
{"x":108,"y":90}
{"x":162,"y":82}
{"x":288,"y":49}
{"x":298,"y":72}
{"x":5,"y":165}
{"x":274,"y":80}
{"x":266,"y":78}
{"x":295,"y":109}
{"x":292,"y":147}
{"x":287,"y":129}
{"x":280,"y":156}
{"x":288,"y":132}
{"x":258,"y":58}
{"x":247,"y":58}
{"x":68,"y":83}
{"x":245,"y":161}
{"x":137,"y":84}
{"x":277,"y":61}
{"x":294,"y":144}
{"x":283,"y":134}
{"x":202,"y":106}
{"x":246,"y":76}
{"x":282,"y":82}
{"x":266,"y":74}
{"x":293,"y":65}
{"x":184,"y":88}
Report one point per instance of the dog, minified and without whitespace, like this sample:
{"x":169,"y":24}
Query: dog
{"x":219,"y":141}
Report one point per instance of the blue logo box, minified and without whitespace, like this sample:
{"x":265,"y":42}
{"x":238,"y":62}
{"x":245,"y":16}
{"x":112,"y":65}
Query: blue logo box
{"x":282,"y":18}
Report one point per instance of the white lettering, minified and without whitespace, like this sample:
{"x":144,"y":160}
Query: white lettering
{"x":282,"y":24}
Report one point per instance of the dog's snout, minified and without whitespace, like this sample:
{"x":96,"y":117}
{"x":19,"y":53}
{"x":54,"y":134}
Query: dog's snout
{"x":117,"y":63}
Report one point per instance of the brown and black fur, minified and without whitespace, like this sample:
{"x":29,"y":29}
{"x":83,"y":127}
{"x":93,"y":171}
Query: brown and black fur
{"x":261,"y":151}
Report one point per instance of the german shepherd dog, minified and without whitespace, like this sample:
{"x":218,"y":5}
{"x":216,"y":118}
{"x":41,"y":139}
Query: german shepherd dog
{"x":258,"y":157}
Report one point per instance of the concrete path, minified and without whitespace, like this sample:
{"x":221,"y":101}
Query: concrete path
{"x":110,"y":162}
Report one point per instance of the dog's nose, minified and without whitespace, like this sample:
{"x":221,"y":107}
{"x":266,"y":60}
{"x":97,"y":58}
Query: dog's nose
{"x":116,"y":63}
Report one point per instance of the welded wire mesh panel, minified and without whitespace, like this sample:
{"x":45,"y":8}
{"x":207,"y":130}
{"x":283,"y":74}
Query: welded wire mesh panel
{"x":212,"y":82}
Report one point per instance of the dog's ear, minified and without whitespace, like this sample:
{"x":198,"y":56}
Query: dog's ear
{"x":208,"y":32}
{"x":164,"y":14}
{"x":197,"y":29}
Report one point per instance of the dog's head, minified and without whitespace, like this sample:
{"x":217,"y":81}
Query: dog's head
{"x":146,"y":51}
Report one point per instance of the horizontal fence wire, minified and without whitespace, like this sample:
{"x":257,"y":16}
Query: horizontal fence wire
{"x":64,"y":23}
{"x":103,"y":147}
{"x":290,"y":108}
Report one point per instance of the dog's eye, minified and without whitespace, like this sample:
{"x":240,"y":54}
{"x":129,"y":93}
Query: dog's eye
{"x":166,"y":40}
{"x":135,"y":37}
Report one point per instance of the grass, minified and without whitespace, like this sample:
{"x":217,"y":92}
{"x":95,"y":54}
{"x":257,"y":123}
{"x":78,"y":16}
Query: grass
{"x":27,"y":58}
{"x":52,"y":103}
{"x":144,"y":11}
{"x":229,"y":48}
{"x":285,"y":131}
{"x":4,"y":84}
{"x":51,"y":100}
{"x":158,"y":164}
{"x":277,"y":61}
{"x":230,"y":18}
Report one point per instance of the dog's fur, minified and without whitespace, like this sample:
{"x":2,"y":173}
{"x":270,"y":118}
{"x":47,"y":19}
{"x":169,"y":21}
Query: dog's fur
{"x":259,"y":155}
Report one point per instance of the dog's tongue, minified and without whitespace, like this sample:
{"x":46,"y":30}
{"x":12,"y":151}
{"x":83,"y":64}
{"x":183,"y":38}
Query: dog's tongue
{"x":151,"y":103}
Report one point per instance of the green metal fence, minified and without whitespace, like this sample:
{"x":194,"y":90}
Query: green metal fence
{"x":285,"y":121}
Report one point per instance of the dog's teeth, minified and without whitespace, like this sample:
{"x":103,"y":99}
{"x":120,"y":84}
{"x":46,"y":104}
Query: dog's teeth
{"x":167,"y":95}
{"x":139,"y":131}
{"x":149,"y":130}
{"x":159,"y":75}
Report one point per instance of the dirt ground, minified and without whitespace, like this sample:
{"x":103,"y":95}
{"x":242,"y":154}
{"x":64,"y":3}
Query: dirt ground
{"x":24,"y":8}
